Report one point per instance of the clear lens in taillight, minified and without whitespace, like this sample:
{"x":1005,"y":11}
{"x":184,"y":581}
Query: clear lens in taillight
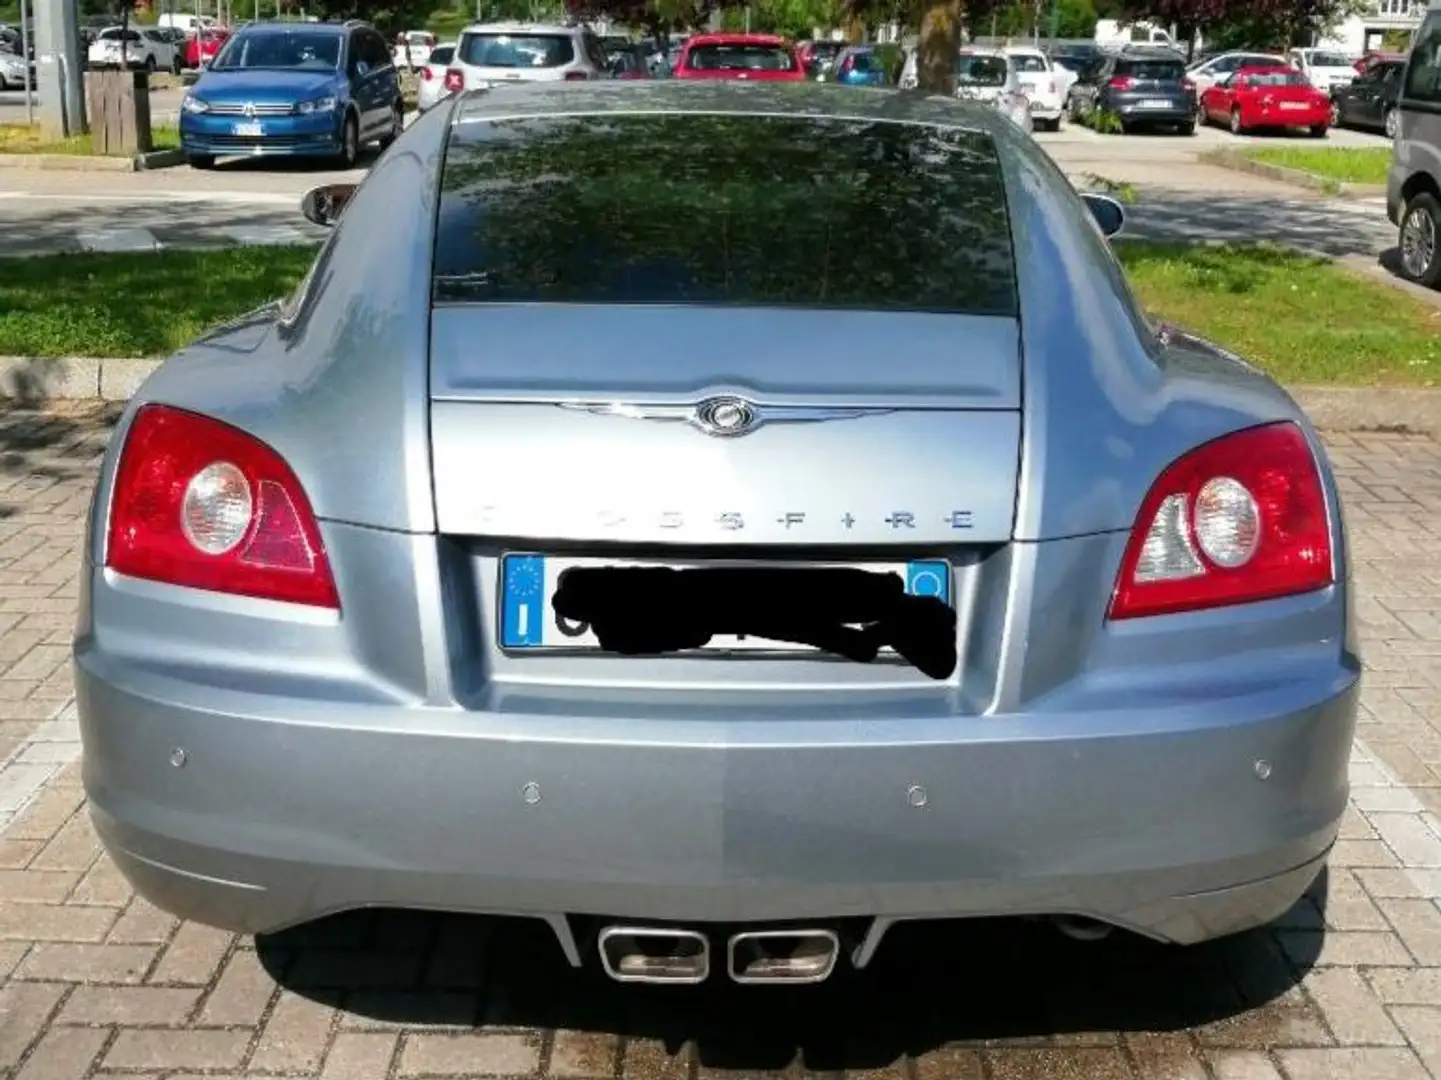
{"x":1238,"y":519}
{"x":199,"y":503}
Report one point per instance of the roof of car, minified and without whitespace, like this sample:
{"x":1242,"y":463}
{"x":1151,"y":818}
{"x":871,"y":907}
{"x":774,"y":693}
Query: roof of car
{"x":737,"y":39}
{"x":817,"y":100}
{"x":300,"y":27}
{"x":515,"y":27}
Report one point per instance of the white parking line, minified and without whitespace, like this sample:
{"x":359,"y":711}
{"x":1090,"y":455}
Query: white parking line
{"x":37,"y":761}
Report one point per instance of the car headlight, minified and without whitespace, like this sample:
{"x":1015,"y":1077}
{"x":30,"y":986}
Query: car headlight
{"x":194,"y":105}
{"x":325,"y":104}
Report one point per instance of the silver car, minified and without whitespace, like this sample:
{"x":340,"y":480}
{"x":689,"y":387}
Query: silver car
{"x":716,"y":596}
{"x":1413,"y":183}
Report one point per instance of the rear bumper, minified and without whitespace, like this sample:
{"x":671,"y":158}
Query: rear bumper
{"x":1175,"y":113}
{"x":280,"y":812}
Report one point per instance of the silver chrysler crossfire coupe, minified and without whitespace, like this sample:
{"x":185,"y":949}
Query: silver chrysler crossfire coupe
{"x":722,"y":522}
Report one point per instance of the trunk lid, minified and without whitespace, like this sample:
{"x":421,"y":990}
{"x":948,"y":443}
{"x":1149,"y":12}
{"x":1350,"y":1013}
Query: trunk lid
{"x":576,"y":423}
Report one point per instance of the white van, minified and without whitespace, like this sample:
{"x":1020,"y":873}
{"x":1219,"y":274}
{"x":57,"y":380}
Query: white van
{"x":188,"y":23}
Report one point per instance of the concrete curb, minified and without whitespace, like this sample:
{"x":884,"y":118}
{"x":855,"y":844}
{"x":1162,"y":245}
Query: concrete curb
{"x":1239,"y":162}
{"x":155,"y":159}
{"x":1333,"y":408}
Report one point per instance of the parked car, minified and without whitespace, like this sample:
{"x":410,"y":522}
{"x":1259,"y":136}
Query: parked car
{"x":1413,"y":184}
{"x":490,"y":54}
{"x":818,"y":57}
{"x":185,"y":22}
{"x":1370,"y":101}
{"x":1207,"y":72}
{"x":859,"y":65}
{"x":13,"y":75}
{"x":631,"y":62}
{"x":1324,"y":68}
{"x":1143,"y":86}
{"x":1373,"y":58}
{"x":989,"y":76}
{"x":432,"y":90}
{"x":1267,"y":97}
{"x":202,"y":48}
{"x":143,"y":47}
{"x":1046,"y":87}
{"x":294,"y":89}
{"x":1086,"y":651}
{"x":757,"y":57}
{"x":411,"y":48}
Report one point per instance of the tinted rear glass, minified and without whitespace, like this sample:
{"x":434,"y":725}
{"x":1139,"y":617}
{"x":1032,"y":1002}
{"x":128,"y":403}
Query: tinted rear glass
{"x":1159,"y":70}
{"x":740,"y":58}
{"x":441,"y":54}
{"x":724,"y":209}
{"x":1277,"y":77}
{"x":1029,"y":63}
{"x":1330,"y":59}
{"x":516,"y":50}
{"x":981,"y":71}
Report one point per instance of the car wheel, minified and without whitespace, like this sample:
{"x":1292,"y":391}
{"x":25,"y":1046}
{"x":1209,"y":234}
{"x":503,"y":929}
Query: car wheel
{"x":1237,"y":128}
{"x":397,"y":125}
{"x":1188,"y":128}
{"x":1420,"y":253}
{"x":150,"y":64}
{"x":1389,"y":123}
{"x":1202,"y":119}
{"x":175,"y":66}
{"x":1337,"y":115}
{"x":1318,"y":131}
{"x":349,"y":142}
{"x":200,"y":161}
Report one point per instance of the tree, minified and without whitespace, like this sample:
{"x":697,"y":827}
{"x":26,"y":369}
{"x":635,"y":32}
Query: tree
{"x":1243,"y":23}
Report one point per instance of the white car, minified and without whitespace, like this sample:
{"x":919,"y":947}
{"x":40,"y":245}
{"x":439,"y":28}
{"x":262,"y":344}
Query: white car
{"x":991,"y":76}
{"x":1045,"y":85}
{"x":12,"y":71}
{"x":432,"y":74}
{"x":411,"y":48}
{"x":492,"y":54}
{"x":1207,"y":73}
{"x":1325,"y":69}
{"x":144,"y":47}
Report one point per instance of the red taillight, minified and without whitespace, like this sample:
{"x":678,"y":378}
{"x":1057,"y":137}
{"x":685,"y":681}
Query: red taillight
{"x":426,"y":74}
{"x":202,"y":504}
{"x":1239,"y":519}
{"x":1121,"y":82}
{"x":576,"y":76}
{"x":454,"y":81}
{"x":1188,"y":86}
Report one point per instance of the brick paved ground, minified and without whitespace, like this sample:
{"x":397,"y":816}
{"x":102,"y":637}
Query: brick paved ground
{"x":94,"y":982}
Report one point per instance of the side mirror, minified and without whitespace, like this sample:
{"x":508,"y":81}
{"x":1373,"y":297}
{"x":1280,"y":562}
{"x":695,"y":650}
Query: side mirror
{"x":1109,"y":214}
{"x":324,"y":204}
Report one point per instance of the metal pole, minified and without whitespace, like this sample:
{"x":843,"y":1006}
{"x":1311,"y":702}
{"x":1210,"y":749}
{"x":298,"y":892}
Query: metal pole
{"x":27,"y":57}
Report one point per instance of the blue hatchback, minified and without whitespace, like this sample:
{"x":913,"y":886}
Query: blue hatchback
{"x":295,"y":89}
{"x":860,"y":66}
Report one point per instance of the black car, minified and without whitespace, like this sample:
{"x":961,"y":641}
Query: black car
{"x":1369,"y":101}
{"x":1143,"y":88}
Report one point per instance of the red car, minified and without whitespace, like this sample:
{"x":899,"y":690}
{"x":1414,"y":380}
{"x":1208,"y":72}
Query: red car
{"x":758,"y":57}
{"x":201,"y":48}
{"x":1267,"y":97}
{"x":1370,"y":60}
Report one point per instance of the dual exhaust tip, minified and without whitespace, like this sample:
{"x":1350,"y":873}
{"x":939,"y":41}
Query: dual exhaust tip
{"x":659,"y":955}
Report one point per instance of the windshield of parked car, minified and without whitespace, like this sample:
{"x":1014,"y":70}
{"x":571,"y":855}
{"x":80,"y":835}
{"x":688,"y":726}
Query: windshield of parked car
{"x":1276,"y":77}
{"x":1029,"y":62}
{"x":1329,"y":59}
{"x":777,"y":211}
{"x":982,"y":71}
{"x":740,"y":58}
{"x":516,"y":50}
{"x":279,"y":49}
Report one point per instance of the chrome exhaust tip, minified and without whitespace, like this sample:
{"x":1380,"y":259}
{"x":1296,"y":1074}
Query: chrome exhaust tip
{"x":1080,"y":928}
{"x":643,"y":954}
{"x":783,"y":956}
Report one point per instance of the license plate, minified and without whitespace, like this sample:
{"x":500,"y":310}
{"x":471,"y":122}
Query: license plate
{"x":251,"y":130}
{"x":1155,"y":103}
{"x":529,"y":623}
{"x":1290,"y":105}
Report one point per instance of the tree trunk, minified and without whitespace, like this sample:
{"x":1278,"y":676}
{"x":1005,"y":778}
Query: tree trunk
{"x":940,"y":42}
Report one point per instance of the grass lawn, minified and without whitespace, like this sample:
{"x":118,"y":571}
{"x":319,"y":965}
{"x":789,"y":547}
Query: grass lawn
{"x":1301,"y":319}
{"x":26,"y":139}
{"x":1298,"y":317}
{"x":1343,"y":164}
{"x":143,"y":304}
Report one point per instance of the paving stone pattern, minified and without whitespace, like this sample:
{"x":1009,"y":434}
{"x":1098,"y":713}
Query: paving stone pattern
{"x":94,"y":982}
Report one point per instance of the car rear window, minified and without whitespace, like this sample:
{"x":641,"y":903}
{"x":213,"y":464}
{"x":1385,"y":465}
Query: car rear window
{"x":981,"y":71}
{"x":517,"y":50}
{"x":1329,"y":59}
{"x":1159,"y":70}
{"x":1276,"y":77}
{"x":441,"y":54}
{"x":740,"y":58}
{"x":1028,"y":63}
{"x":724,"y":209}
